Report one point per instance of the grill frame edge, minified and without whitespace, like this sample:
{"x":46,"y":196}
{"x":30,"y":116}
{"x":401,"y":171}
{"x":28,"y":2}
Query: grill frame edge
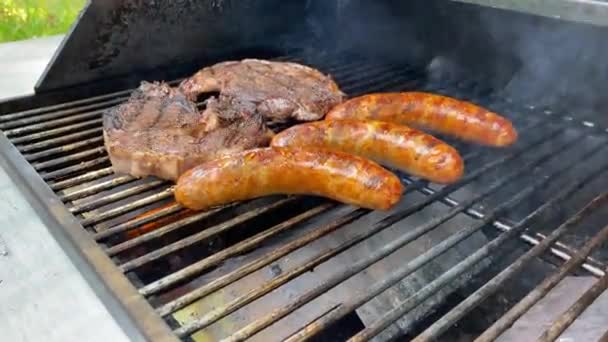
{"x":130,"y":310}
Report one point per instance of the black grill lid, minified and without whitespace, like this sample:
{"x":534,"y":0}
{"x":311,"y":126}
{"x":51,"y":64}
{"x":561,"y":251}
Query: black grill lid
{"x":135,"y":39}
{"x":120,"y":42}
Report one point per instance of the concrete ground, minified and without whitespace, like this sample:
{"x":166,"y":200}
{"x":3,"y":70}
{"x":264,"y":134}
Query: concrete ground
{"x":43,"y":297}
{"x":22,"y":63}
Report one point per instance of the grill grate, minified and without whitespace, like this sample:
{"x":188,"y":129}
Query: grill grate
{"x":165,"y":250}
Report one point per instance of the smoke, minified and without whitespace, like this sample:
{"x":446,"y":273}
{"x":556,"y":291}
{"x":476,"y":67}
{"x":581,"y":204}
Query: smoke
{"x":562,"y":63}
{"x":533,"y":59}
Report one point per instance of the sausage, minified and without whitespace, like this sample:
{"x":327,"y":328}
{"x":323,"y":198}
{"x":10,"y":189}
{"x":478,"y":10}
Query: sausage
{"x":393,"y":145}
{"x":432,"y":112}
{"x":305,"y":171}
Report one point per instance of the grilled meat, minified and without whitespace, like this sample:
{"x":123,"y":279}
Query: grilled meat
{"x":386,"y":143}
{"x":159,"y":132}
{"x":433,"y":112}
{"x":274,"y":170}
{"x":278,"y":90}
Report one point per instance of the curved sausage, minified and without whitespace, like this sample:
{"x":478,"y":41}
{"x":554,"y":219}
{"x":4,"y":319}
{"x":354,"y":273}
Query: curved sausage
{"x":266,"y":171}
{"x":397,"y":146}
{"x":432,"y":112}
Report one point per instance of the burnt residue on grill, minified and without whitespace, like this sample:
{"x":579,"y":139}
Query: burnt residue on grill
{"x":535,"y":60}
{"x":128,"y":40}
{"x":126,"y":18}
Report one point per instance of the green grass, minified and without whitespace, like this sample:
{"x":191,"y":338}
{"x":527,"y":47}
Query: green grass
{"x":23,"y":19}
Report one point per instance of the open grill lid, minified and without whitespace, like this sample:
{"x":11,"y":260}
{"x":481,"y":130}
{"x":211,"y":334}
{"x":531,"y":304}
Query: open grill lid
{"x":124,"y":41}
{"x":127,"y":41}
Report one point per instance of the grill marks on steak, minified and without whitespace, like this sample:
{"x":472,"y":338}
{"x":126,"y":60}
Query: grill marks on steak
{"x":160,"y":132}
{"x":277,"y":90}
{"x":154,"y":106}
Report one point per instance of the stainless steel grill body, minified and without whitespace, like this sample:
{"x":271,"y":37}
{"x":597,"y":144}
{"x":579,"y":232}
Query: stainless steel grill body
{"x":296,"y":267}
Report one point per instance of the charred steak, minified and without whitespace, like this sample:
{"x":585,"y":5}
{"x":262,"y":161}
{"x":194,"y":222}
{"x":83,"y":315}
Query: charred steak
{"x":160,"y":132}
{"x":278,"y":90}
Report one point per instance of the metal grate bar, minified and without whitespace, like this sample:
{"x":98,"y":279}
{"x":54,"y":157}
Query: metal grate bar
{"x":203,"y":235}
{"x":575,"y":310}
{"x":222,"y":311}
{"x":222,"y":281}
{"x":201,"y":265}
{"x":63,"y":149}
{"x":563,"y":251}
{"x":344,"y":73}
{"x":242,"y":246}
{"x":61,"y":140}
{"x":68,"y":159}
{"x":342,"y":65}
{"x":378,"y":70}
{"x":39,"y":119}
{"x":109,"y":184}
{"x":560,"y":250}
{"x":194,"y":218}
{"x":391,"y":247}
{"x":70,"y":134}
{"x":56,"y":131}
{"x":96,"y":188}
{"x":582,"y":121}
{"x":137,"y":266}
{"x":337,"y":65}
{"x":458,"y":312}
{"x":543,"y":288}
{"x":142,"y":202}
{"x":62,"y":106}
{"x":387,"y":249}
{"x":251,"y":267}
{"x":64,"y":184}
{"x":59,"y":131}
{"x":385,"y":82}
{"x":134,"y":223}
{"x":217,"y":313}
{"x":67,"y":105}
{"x":193,"y":269}
{"x":378,"y":82}
{"x":43,"y":124}
{"x":467,"y":263}
{"x":134,"y":190}
{"x":96,"y":114}
{"x":197,"y":216}
{"x":335,"y":61}
{"x":48,"y":176}
{"x":162,"y":231}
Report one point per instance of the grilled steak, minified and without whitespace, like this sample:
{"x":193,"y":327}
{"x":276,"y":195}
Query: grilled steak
{"x":159,"y":132}
{"x":278,"y":90}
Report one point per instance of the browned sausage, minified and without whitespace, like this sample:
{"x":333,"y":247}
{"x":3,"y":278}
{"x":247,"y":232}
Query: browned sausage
{"x":432,"y":112}
{"x":266,"y":171}
{"x":389,"y":144}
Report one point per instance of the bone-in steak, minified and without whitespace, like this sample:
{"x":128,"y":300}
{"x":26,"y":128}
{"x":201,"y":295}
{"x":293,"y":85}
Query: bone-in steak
{"x":160,"y":132}
{"x":278,"y":90}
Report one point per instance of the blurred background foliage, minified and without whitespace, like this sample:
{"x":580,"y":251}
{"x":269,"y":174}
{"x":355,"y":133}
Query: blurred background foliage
{"x":23,"y":19}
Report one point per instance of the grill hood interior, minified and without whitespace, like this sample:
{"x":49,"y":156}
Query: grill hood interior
{"x":119,"y":43}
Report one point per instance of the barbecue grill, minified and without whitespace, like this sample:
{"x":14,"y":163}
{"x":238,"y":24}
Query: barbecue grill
{"x":465,"y":260}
